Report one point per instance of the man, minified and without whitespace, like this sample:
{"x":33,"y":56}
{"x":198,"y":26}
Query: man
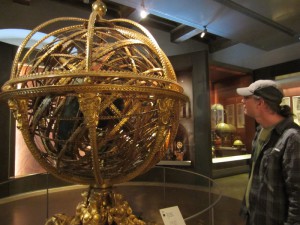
{"x":273,"y":192}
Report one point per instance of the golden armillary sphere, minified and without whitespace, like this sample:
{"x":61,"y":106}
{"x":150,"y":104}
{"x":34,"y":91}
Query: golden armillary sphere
{"x":98,"y":105}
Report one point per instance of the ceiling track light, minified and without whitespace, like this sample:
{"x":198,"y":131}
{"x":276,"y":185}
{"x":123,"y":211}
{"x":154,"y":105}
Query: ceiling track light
{"x":203,"y":33}
{"x":143,"y":13}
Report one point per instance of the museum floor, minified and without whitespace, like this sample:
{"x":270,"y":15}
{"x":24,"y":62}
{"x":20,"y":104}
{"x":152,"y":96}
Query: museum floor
{"x":32,"y":209}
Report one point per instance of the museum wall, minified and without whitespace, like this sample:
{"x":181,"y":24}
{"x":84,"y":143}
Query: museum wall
{"x":7,"y":53}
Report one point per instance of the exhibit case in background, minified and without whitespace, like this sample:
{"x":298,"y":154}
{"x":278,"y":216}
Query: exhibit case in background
{"x":231,"y":130}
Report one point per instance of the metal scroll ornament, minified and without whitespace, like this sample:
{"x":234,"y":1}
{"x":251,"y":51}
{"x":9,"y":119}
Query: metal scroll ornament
{"x":98,"y":105}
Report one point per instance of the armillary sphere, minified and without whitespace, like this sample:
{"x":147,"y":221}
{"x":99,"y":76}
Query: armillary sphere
{"x":97,"y":103}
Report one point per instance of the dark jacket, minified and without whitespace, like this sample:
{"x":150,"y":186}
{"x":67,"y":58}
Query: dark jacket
{"x":275,"y":192}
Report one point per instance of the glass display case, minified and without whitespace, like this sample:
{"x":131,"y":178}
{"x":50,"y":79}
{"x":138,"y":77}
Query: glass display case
{"x":35,"y":198}
{"x":231,"y":130}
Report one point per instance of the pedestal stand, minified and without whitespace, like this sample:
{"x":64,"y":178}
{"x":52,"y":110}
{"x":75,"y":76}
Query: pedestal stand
{"x":101,"y":206}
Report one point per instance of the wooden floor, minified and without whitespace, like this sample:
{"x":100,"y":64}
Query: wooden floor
{"x":33,"y":208}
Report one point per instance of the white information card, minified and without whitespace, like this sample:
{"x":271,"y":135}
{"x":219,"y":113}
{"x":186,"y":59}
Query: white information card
{"x":172,"y":216}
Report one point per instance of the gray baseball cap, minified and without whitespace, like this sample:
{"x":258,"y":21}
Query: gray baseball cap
{"x":267,"y":89}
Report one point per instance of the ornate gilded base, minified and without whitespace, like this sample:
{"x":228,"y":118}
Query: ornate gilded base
{"x":101,"y":206}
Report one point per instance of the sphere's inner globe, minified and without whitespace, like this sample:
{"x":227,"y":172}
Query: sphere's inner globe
{"x":126,"y":133}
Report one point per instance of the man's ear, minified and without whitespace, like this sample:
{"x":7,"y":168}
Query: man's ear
{"x":261,"y":103}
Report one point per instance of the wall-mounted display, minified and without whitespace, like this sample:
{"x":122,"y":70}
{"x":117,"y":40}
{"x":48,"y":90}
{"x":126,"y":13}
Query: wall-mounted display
{"x":286,"y":101}
{"x":240,"y":115}
{"x":296,"y":109}
{"x":230,"y":114}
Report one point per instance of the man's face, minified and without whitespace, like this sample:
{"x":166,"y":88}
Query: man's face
{"x":251,"y":105}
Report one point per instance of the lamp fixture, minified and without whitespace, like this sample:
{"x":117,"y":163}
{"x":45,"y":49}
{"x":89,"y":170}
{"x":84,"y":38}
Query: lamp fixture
{"x":203,"y":33}
{"x":143,"y":12}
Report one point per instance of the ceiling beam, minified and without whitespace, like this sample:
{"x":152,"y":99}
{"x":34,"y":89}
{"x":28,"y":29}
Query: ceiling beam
{"x":258,"y":17}
{"x":183,"y":33}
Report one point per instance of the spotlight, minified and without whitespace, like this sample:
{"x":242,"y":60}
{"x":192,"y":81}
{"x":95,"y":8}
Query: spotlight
{"x":143,"y":12}
{"x":203,"y":32}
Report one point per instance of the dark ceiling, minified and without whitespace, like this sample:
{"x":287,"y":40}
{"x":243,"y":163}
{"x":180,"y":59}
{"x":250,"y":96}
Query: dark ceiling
{"x":228,"y":21}
{"x":177,"y":31}
{"x":247,"y":34}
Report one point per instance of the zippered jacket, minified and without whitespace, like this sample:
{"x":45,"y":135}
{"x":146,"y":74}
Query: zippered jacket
{"x":274,"y":198}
